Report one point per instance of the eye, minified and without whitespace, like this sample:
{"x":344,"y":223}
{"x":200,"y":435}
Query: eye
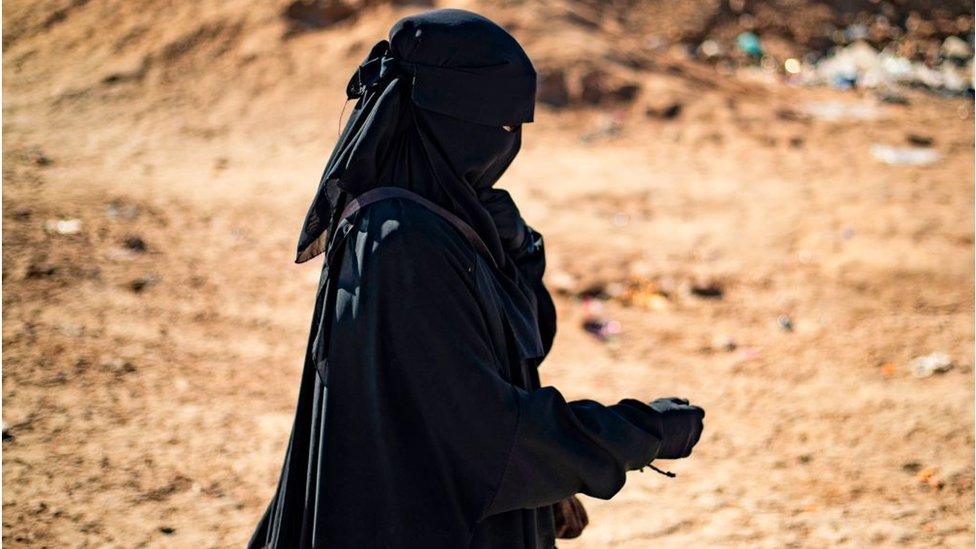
{"x":511,"y":129}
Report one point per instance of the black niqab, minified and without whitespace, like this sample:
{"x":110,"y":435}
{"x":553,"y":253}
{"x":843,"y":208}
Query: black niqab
{"x":433,"y":103}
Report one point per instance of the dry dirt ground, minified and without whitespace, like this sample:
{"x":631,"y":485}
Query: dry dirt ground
{"x":151,"y":360}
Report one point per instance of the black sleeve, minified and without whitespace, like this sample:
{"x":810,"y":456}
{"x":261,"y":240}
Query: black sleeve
{"x":530,"y":260}
{"x":503,"y":447}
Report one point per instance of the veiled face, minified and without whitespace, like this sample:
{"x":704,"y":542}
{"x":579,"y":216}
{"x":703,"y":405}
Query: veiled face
{"x":478,"y":152}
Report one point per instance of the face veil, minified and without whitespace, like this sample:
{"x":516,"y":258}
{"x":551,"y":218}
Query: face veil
{"x":439,"y":112}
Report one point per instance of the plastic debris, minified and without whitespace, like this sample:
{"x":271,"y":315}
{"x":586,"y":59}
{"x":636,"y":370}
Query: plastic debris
{"x":954,"y":47}
{"x":888,"y":369}
{"x":925,"y":366}
{"x":860,"y":65}
{"x":905,"y":156}
{"x":595,"y":324}
{"x":749,"y":44}
{"x":63,"y":226}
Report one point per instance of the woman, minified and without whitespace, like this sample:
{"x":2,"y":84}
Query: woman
{"x":420,"y":420}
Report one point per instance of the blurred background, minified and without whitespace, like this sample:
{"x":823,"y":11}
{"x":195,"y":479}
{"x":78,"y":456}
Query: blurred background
{"x":766,"y":207}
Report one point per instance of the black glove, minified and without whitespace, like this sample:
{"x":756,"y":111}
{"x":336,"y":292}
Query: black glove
{"x":674,"y":421}
{"x":511,"y":227}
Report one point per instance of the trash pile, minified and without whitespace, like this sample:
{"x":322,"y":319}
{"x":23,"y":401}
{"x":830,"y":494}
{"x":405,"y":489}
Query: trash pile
{"x":855,"y":57}
{"x":860,"y":65}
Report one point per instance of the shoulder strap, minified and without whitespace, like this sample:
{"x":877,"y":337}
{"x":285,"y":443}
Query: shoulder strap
{"x":385,"y":193}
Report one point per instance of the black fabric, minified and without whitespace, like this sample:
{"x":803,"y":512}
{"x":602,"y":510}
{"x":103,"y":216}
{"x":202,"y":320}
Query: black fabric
{"x":421,"y":421}
{"x":440,"y":148}
{"x":437,"y":434}
{"x":431,"y":106}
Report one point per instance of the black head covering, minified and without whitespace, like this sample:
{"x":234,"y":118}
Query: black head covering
{"x":439,"y":112}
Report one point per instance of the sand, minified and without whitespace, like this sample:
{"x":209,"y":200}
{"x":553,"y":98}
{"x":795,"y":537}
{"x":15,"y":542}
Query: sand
{"x":151,"y":360}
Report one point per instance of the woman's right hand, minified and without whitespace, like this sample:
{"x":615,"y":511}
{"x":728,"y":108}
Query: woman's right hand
{"x":678,"y":424}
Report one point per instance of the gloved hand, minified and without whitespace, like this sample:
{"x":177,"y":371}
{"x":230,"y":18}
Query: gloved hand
{"x":678,"y":425}
{"x":511,"y":227}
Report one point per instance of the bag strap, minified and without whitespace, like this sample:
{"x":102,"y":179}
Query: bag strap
{"x":385,"y":193}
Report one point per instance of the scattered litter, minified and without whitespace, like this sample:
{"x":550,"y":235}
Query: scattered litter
{"x":707,"y":290}
{"x":749,"y":44}
{"x":925,"y":366}
{"x":860,"y":65}
{"x":167,"y":530}
{"x":833,"y":111}
{"x":143,"y":283}
{"x":595,"y":324}
{"x":63,"y":226}
{"x":888,"y":369}
{"x":785,"y":323}
{"x":905,"y":156}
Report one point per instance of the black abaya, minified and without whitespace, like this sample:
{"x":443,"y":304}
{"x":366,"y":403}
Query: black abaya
{"x":438,"y":434}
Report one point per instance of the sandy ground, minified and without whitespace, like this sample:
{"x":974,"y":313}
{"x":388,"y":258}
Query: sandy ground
{"x":148,"y":388}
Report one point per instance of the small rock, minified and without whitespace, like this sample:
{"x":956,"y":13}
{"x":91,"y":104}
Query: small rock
{"x":665,"y":112}
{"x":707,"y":290}
{"x":135,"y":243}
{"x":35,"y":270}
{"x":785,"y":323}
{"x":38,"y":158}
{"x":7,"y":435}
{"x":919,"y":140}
{"x":925,"y":366}
{"x":911,"y":467}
